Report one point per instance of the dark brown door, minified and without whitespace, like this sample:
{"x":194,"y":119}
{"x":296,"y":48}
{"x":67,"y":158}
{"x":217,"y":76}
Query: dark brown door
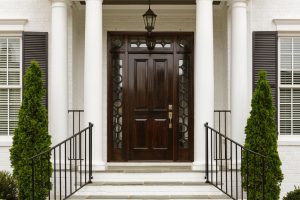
{"x":150,"y":97}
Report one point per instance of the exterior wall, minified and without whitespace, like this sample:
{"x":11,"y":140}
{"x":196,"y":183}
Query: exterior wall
{"x":289,"y":155}
{"x":261,"y":17}
{"x":37,"y":13}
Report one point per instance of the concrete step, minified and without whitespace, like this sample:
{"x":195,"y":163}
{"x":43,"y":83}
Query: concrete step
{"x":149,"y":177}
{"x":149,"y":181}
{"x":149,"y":192}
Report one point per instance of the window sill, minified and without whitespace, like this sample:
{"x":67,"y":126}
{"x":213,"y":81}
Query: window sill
{"x":5,"y":141}
{"x":288,"y":140}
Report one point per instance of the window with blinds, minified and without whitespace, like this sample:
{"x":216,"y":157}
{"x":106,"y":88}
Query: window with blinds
{"x":289,"y":85}
{"x":10,"y":83}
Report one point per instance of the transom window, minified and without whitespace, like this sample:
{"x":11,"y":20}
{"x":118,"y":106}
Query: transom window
{"x":10,"y":83}
{"x":289,"y":85}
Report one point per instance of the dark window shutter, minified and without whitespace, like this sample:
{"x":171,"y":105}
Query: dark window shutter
{"x":265,"y":57}
{"x":35,"y":47}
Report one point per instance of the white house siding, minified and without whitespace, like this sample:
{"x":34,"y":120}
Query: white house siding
{"x":289,"y":155}
{"x":262,"y":14}
{"x":4,"y":156}
{"x":37,"y":12}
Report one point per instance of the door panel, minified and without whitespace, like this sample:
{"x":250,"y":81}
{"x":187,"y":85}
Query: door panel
{"x":160,"y":89}
{"x":149,"y":96}
{"x":160,"y":138}
{"x":141,"y":85}
{"x":140,"y":138}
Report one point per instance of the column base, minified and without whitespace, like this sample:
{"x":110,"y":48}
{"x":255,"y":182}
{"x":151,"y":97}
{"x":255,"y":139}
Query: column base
{"x":99,"y":166}
{"x":198,"y":166}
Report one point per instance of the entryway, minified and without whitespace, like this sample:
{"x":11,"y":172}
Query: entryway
{"x":150,"y":97}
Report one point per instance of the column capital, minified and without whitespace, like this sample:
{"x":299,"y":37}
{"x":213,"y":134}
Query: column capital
{"x":94,"y":0}
{"x":237,"y":3}
{"x":60,"y":3}
{"x":204,"y":0}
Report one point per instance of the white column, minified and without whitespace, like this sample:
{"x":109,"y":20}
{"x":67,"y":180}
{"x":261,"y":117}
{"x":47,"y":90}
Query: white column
{"x":239,"y":77}
{"x":203,"y":79}
{"x":58,"y":73}
{"x":93,"y":75}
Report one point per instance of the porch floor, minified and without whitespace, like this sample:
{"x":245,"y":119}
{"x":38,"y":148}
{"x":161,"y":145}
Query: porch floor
{"x":149,"y":181}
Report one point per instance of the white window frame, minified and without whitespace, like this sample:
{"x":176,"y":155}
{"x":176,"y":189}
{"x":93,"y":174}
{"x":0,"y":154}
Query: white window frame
{"x":6,"y":140}
{"x":285,"y":140}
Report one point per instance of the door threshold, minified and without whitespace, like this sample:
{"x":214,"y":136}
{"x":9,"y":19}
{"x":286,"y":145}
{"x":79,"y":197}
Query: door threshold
{"x":149,"y":164}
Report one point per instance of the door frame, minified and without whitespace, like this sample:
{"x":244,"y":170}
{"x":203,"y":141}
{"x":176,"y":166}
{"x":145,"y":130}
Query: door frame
{"x":121,"y":155}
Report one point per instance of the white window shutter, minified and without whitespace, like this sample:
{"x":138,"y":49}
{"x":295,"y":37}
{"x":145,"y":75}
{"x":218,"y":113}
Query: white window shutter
{"x":286,"y":61}
{"x":10,"y":83}
{"x":14,"y":70}
{"x":3,"y":112}
{"x":3,"y":61}
{"x":285,"y":111}
{"x":289,"y":114}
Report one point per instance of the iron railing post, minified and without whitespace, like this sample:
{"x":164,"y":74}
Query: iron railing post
{"x":206,"y":152}
{"x":33,"y":178}
{"x":90,"y":152}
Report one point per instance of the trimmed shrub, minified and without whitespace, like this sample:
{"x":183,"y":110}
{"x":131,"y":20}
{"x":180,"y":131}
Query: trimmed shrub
{"x":261,"y":137}
{"x":293,"y":195}
{"x":8,"y":186}
{"x":31,"y":137}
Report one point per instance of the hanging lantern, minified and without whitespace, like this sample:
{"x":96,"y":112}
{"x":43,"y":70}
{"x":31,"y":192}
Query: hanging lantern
{"x":149,"y":19}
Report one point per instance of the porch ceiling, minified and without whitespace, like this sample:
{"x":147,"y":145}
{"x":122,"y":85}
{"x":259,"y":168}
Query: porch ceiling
{"x":141,"y":2}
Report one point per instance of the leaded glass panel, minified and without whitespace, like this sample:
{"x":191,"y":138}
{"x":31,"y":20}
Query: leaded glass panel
{"x":117,"y":81}
{"x":183,"y":107}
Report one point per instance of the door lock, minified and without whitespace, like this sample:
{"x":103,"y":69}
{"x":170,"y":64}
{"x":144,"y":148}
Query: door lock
{"x":170,"y":119}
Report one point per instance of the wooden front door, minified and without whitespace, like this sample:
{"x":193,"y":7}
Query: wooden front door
{"x":150,"y":97}
{"x":151,"y":106}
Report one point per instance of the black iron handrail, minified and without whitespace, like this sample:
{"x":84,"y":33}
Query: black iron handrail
{"x":74,"y":113}
{"x":221,"y":118}
{"x":66,"y":168}
{"x":76,"y":125}
{"x":221,"y":124}
{"x":226,"y":174}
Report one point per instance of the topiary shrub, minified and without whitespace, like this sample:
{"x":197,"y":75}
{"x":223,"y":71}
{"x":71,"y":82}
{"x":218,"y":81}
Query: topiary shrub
{"x":31,"y":137}
{"x":293,"y":195}
{"x":8,"y":186}
{"x":261,"y":137}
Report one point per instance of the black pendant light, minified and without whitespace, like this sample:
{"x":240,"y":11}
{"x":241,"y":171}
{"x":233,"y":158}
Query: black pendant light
{"x":149,"y":19}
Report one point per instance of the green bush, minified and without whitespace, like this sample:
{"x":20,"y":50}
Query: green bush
{"x":293,"y":195}
{"x":8,"y":186}
{"x":31,"y":137}
{"x":261,"y":137}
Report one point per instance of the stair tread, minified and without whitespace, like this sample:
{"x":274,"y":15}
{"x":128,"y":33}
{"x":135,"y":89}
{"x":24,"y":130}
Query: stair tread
{"x":169,"y":197}
{"x":138,"y":182}
{"x":129,"y":190}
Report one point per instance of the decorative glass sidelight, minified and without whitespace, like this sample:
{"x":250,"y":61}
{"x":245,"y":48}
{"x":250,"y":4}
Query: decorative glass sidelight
{"x":183,"y":103}
{"x":117,"y":86}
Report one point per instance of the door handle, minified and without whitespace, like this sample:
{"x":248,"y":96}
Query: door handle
{"x":170,"y":119}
